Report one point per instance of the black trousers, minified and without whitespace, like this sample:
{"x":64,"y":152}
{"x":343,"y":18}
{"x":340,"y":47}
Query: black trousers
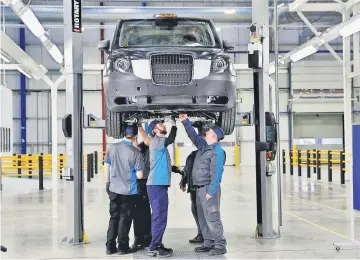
{"x":121,"y":215}
{"x":194,"y":209}
{"x":142,"y":216}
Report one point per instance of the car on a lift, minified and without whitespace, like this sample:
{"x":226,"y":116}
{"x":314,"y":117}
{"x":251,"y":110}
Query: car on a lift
{"x":166,"y":65}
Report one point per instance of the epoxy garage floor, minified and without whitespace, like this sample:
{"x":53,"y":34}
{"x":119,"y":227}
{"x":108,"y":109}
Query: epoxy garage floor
{"x":315,"y":216}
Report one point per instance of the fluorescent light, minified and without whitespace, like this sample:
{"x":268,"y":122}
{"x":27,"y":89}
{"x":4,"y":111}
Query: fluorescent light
{"x":303,"y":53}
{"x":230,"y":11}
{"x":23,"y":71}
{"x":4,"y":57}
{"x":351,"y":28}
{"x":56,"y":54}
{"x":218,"y":29}
{"x":32,"y":23}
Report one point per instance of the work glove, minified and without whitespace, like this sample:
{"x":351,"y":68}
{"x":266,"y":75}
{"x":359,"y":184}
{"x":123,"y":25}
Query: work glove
{"x":108,"y":188}
{"x":139,"y":122}
{"x":176,"y":169}
{"x":182,"y":187}
{"x":173,"y":120}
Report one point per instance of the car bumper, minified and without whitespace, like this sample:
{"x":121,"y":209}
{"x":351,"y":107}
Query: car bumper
{"x":128,"y":93}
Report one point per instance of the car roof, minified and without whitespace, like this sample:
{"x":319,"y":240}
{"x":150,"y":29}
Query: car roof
{"x":156,"y":18}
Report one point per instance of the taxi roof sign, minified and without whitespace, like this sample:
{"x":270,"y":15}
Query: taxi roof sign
{"x":165,"y":15}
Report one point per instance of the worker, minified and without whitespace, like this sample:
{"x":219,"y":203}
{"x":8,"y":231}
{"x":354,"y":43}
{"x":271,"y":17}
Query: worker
{"x":187,"y":180}
{"x":158,"y":183}
{"x":206,"y":175}
{"x":142,"y":216}
{"x":123,"y":166}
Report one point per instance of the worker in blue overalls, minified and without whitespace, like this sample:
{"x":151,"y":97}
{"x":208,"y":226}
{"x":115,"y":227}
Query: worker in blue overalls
{"x":206,"y":175}
{"x":122,"y":167}
{"x":158,"y":183}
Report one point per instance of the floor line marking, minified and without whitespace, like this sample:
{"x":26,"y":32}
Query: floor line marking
{"x":316,"y":225}
{"x":321,"y":205}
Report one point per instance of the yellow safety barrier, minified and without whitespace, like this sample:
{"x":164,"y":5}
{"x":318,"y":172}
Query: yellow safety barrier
{"x":317,"y":160}
{"x":176,"y":155}
{"x":237,"y":158}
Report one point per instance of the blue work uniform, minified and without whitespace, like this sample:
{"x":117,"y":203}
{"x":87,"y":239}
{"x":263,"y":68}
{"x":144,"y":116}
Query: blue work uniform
{"x":157,"y":185}
{"x":124,"y":160}
{"x":206,"y":175}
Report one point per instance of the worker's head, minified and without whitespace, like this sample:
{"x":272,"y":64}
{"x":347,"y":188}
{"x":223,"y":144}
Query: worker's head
{"x":214,"y":134}
{"x":157,"y":127}
{"x":131,"y":132}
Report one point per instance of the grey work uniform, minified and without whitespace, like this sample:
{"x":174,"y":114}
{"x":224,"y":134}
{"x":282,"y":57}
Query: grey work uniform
{"x":125,"y":160}
{"x":206,"y":174}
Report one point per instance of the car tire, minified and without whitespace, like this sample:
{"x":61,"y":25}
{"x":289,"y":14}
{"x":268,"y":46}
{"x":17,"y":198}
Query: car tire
{"x":226,"y":121}
{"x":113,"y":124}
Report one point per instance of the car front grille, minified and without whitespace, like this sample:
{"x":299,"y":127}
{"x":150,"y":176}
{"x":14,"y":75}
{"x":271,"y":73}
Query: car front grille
{"x":172,"y":69}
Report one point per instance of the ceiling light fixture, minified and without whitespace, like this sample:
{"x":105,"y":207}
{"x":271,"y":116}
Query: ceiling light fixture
{"x":303,"y":53}
{"x":29,"y":18}
{"x":24,"y":71}
{"x":350,"y":28}
{"x":5,"y":57}
{"x":56,"y":54}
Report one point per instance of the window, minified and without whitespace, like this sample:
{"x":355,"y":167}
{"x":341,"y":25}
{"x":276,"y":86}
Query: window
{"x":167,"y":33}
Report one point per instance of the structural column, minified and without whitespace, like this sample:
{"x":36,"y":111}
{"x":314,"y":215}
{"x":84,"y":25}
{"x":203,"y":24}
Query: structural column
{"x":73,"y":57}
{"x":22,"y":100}
{"x":348,"y":118}
{"x":266,"y":186}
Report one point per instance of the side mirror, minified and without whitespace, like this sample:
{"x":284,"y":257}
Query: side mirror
{"x":104,"y":46}
{"x":227,"y":46}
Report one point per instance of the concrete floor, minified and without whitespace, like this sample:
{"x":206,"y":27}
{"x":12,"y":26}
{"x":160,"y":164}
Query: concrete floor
{"x":314,"y":217}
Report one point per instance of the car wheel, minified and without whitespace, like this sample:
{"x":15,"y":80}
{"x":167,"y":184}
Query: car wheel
{"x":226,"y":121}
{"x":113,"y":124}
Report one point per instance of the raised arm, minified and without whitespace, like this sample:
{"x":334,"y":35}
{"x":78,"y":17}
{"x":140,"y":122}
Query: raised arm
{"x":216,"y":169}
{"x":139,"y":165}
{"x":171,"y":138}
{"x":196,"y":139}
{"x":144,"y":136}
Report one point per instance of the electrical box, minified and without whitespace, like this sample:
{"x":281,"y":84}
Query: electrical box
{"x":244,"y":119}
{"x":66,"y":125}
{"x":271,"y":134}
{"x":255,"y":48}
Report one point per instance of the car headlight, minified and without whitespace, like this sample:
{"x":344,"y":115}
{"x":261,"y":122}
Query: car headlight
{"x":122,"y":64}
{"x":219,"y":65}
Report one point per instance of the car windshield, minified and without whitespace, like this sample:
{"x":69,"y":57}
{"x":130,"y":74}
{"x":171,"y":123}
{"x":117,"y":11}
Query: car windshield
{"x":167,"y":33}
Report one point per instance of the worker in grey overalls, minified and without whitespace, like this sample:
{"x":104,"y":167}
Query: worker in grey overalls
{"x":142,"y":216}
{"x":122,"y":167}
{"x":206,"y":175}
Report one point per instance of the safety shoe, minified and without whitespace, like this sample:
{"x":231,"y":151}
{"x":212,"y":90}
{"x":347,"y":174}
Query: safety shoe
{"x":202,"y":249}
{"x":197,"y":240}
{"x":218,"y":251}
{"x":138,"y":247}
{"x":111,"y":251}
{"x":161,"y":252}
{"x":126,"y":251}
